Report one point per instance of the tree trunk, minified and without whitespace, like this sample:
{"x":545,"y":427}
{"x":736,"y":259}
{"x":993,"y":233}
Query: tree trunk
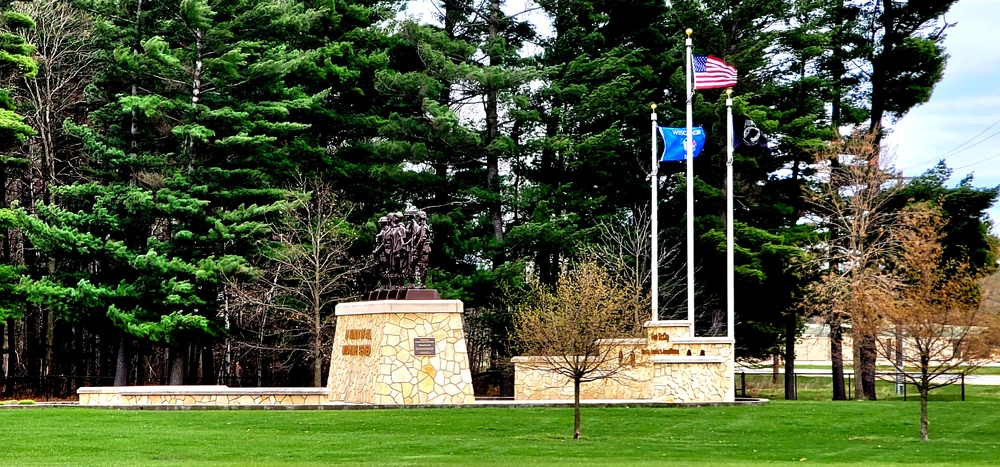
{"x":32,"y":342}
{"x":837,"y":359}
{"x":547,"y":256}
{"x":576,"y":408}
{"x":193,"y":375}
{"x":11,"y":359}
{"x":868,"y":357}
{"x":227,"y":352}
{"x":121,"y":364}
{"x":879,"y":62}
{"x":317,"y":342}
{"x":791,"y":326}
{"x":4,"y":358}
{"x":859,"y":390}
{"x":50,"y":339}
{"x":6,"y":338}
{"x":196,"y":75}
{"x":492,"y":132}
{"x":177,"y":357}
{"x":317,"y":377}
{"x":775,"y":368}
{"x":207,"y":365}
{"x":924,"y":383}
{"x":898,"y":351}
{"x":141,"y":368}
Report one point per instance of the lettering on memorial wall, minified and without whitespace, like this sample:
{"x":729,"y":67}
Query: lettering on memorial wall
{"x":357,"y":350}
{"x":660,"y":352}
{"x":357,"y":334}
{"x":660,"y":336}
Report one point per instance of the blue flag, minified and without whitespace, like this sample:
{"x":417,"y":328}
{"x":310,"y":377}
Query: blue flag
{"x":673,"y":143}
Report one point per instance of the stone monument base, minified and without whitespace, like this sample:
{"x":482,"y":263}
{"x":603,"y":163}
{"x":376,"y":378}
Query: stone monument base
{"x":400,"y":352}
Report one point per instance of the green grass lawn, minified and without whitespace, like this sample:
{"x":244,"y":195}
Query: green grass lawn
{"x":843,"y":433}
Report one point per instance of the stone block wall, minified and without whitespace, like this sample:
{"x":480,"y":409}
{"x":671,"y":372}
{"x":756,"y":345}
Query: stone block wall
{"x":198,"y":395}
{"x":693,"y":379}
{"x":535,"y":380}
{"x":667,"y":365}
{"x":400,"y":352}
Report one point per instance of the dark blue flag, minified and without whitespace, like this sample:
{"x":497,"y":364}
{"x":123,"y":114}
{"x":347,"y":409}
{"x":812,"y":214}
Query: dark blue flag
{"x":746,"y":133}
{"x":673,"y":143}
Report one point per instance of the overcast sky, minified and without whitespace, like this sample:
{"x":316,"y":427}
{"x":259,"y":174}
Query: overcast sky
{"x":964,"y":104}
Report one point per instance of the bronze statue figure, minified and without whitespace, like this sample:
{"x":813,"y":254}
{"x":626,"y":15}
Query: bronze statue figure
{"x":402,"y":250}
{"x":381,"y":252}
{"x":421,"y":249}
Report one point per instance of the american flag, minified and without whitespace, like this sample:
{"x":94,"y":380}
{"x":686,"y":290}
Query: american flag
{"x":711,"y":72}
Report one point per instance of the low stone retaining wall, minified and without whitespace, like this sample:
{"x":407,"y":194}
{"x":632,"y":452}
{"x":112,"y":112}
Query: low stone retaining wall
{"x":665,"y":366}
{"x":199,"y":395}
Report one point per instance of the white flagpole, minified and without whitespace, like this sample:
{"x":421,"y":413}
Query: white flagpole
{"x":730,"y":220}
{"x":654,"y":242}
{"x":689,"y":146}
{"x":730,"y":263}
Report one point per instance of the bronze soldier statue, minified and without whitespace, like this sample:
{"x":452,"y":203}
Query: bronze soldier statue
{"x":381,"y":252}
{"x":398,"y":251}
{"x":411,"y":231}
{"x":402,"y":250}
{"x":421,"y":249}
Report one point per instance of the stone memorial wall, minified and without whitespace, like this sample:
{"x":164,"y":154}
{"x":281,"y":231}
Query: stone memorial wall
{"x":400,"y":352}
{"x":665,"y":366}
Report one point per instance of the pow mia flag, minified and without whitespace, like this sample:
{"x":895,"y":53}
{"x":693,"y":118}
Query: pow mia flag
{"x":746,"y":133}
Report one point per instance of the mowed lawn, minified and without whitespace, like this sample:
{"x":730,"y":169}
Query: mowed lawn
{"x":846,"y":433}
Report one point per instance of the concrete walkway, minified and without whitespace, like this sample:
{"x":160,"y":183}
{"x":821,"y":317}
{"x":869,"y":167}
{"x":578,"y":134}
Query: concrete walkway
{"x":491,"y":403}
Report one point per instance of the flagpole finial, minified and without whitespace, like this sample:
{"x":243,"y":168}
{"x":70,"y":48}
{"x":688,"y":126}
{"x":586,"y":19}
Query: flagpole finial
{"x":689,"y":31}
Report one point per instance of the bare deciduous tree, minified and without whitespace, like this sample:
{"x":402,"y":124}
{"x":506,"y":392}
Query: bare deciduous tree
{"x":935,"y":310}
{"x":564,"y":326}
{"x":850,"y":207}
{"x":310,"y":270}
{"x":66,"y":54}
{"x":624,"y":247}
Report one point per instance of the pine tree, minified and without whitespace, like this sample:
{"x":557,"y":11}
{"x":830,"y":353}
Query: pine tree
{"x":194,"y":143}
{"x":470,"y":60}
{"x":15,"y":62}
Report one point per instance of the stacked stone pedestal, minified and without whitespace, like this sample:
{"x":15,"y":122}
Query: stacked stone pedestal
{"x":665,"y":366}
{"x":400,"y":352}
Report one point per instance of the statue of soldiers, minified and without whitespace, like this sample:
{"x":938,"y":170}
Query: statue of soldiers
{"x":421,"y":248}
{"x":381,"y":252}
{"x":398,"y":251}
{"x":411,"y":232}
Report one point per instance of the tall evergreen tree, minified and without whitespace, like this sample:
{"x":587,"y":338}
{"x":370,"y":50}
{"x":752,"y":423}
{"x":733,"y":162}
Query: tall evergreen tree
{"x":192,"y":152}
{"x":905,"y":57}
{"x":15,"y":62}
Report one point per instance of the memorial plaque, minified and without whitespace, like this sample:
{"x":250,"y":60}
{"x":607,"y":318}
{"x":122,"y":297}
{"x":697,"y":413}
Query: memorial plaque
{"x":423,"y":346}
